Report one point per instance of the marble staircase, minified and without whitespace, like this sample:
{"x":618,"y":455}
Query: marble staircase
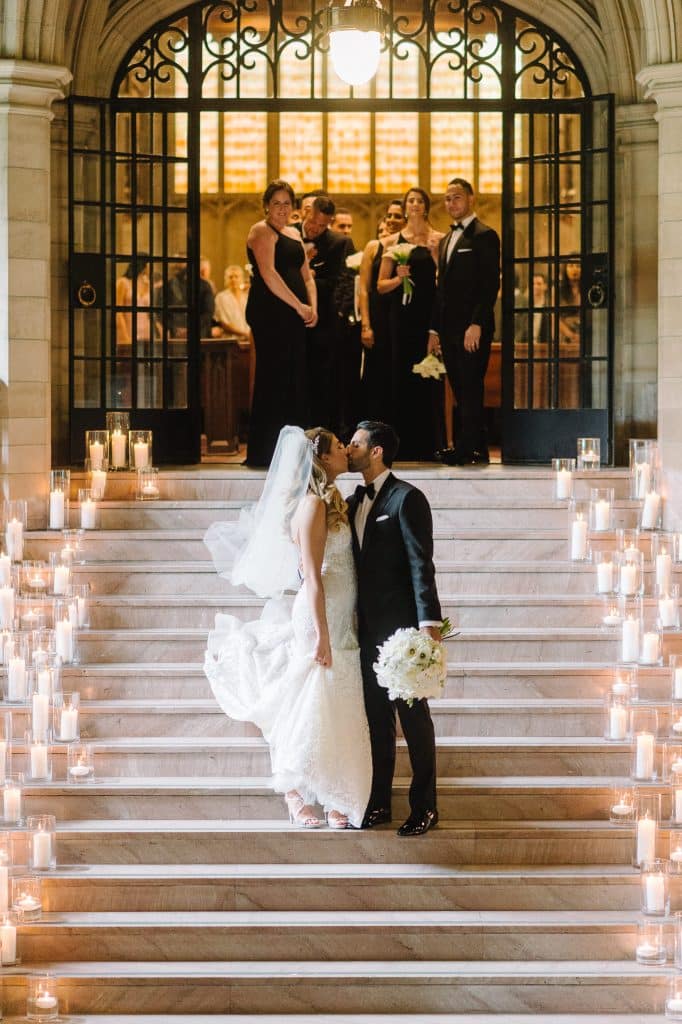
{"x":181,"y":888}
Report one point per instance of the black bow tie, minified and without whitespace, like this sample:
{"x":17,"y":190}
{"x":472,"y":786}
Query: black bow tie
{"x":361,"y":491}
{"x":457,"y":227}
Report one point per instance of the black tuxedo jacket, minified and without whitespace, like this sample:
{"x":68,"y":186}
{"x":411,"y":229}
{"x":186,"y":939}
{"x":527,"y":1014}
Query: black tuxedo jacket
{"x":468,"y":282}
{"x":328,"y":263}
{"x":396,"y":576}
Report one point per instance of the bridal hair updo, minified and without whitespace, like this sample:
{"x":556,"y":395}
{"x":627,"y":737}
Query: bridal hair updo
{"x":322,"y":440}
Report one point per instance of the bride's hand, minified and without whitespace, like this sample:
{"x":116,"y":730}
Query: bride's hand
{"x":323,"y":653}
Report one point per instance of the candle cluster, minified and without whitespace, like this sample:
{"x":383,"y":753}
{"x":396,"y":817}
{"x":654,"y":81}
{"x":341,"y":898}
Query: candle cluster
{"x":117,"y":447}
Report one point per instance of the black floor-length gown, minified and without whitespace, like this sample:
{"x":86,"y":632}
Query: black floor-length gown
{"x":279,"y":335}
{"x":418,"y":413}
{"x":377,"y":387}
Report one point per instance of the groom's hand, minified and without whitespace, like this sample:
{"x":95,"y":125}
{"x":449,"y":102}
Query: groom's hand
{"x":432,"y":631}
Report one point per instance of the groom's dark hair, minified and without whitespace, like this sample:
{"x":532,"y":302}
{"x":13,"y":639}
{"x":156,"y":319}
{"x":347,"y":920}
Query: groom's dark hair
{"x":381,"y":435}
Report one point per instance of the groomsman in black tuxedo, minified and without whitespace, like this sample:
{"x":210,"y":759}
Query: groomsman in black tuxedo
{"x":464,"y":317}
{"x":393,"y":550}
{"x":326,"y":251}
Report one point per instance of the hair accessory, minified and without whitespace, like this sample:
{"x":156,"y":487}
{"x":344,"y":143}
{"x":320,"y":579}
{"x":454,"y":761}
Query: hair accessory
{"x":316,"y":445}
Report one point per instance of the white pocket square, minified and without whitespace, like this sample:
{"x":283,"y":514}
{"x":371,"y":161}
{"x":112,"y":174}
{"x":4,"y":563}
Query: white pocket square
{"x":460,"y":251}
{"x":380,"y":519}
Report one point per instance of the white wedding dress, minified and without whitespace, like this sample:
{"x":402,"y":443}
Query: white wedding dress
{"x":313,"y":718}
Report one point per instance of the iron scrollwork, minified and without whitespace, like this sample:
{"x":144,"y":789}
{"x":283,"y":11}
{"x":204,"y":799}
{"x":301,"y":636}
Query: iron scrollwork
{"x":545,"y":67}
{"x":158,"y":62}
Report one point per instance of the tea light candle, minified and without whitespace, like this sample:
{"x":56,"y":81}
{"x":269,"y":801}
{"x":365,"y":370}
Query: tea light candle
{"x":564,"y":483}
{"x":628,"y":579}
{"x":88,"y":514}
{"x":630,"y":642}
{"x":620,"y":688}
{"x":666,"y":611}
{"x":150,"y":490}
{"x":57,"y":510}
{"x":618,"y":722}
{"x":674,"y":1005}
{"x":578,"y":538}
{"x":68,"y":723}
{"x":650,"y":654}
{"x":98,"y":483}
{"x":676,"y":855}
{"x":622,"y":809}
{"x":8,"y":943}
{"x":14,"y":538}
{"x":677,"y":726}
{"x":646,"y":950}
{"x":6,"y":607}
{"x":61,"y":579}
{"x":664,"y":570}
{"x":80,"y":770}
{"x":38,"y":761}
{"x":652,"y":505}
{"x":646,"y":840}
{"x":41,"y":850}
{"x":64,"y":640}
{"x":604,"y":577}
{"x":96,"y":454}
{"x":26,"y":902}
{"x":141,"y":454}
{"x":118,"y":449}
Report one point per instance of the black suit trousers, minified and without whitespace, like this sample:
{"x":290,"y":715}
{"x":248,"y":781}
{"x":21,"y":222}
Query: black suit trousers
{"x":466,"y":373}
{"x":418,"y":731}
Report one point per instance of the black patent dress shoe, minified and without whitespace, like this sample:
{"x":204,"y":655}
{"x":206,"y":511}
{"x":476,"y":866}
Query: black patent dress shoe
{"x":418,"y":824}
{"x":480,"y":458}
{"x":376,"y":816}
{"x":451,"y":457}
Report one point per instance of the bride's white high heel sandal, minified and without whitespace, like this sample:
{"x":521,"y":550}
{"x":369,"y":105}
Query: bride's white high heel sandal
{"x":335,"y":819}
{"x":300,"y":813}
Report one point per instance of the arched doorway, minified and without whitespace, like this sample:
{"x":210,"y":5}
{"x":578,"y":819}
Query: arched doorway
{"x":215,"y":101}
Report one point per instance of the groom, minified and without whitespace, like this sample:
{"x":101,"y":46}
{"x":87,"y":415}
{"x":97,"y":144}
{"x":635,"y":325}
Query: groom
{"x":393,"y":549}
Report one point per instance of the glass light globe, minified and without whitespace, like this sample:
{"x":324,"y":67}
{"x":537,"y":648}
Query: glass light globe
{"x":355,"y":55}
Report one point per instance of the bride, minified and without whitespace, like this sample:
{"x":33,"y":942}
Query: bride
{"x":296,"y":671}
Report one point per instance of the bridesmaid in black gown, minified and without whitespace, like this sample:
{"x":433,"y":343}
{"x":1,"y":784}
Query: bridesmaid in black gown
{"x":282,"y":304}
{"x":418,"y":404}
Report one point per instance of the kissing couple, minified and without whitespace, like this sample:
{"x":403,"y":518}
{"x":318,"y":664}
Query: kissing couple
{"x":304,"y":672}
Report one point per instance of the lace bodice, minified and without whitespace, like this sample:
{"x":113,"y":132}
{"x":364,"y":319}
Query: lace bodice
{"x":340,"y":589}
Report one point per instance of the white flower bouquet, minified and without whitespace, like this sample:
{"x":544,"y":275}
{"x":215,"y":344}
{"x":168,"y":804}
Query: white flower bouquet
{"x":354,"y":260}
{"x":412,"y":666}
{"x":401,"y":255}
{"x":430,"y":366}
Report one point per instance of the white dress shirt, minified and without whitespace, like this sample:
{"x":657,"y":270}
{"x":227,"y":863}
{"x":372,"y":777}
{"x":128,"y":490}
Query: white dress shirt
{"x":457,"y":234}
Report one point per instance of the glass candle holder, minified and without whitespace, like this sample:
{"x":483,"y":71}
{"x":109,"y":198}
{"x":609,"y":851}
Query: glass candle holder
{"x":65,"y":640}
{"x":148,"y":484}
{"x":58,"y":502}
{"x":8,"y":939}
{"x":41,"y":1001}
{"x":602,"y":518}
{"x":66,"y":727}
{"x":651,"y":947}
{"x":563,"y":478}
{"x":15,"y":520}
{"x":140,"y":448}
{"x":651,"y":647}
{"x":588,"y":451}
{"x":33,"y":613}
{"x":578,"y":523}
{"x":668,"y":603}
{"x":38,"y":759}
{"x":7,"y":607}
{"x":644,"y":461}
{"x":97,"y":448}
{"x":17,"y":662}
{"x":80,"y":763}
{"x":616,"y":717}
{"x":48,"y":679}
{"x":673,"y":999}
{"x":651,"y":511}
{"x":623,"y":806}
{"x":80,"y":593}
{"x":117,"y":419}
{"x":625,"y":682}
{"x":5,"y":746}
{"x":644,"y":729}
{"x":43,"y":648}
{"x":606,"y":576}
{"x":646,"y":833}
{"x":88,"y":509}
{"x":630,"y":634}
{"x":60,"y":575}
{"x":610,"y":612}
{"x":630,"y":571}
{"x":13,"y":800}
{"x":5,"y":569}
{"x":676,"y":676}
{"x":71,"y":553}
{"x":676,"y":539}
{"x":40,"y":718}
{"x":97,"y":480}
{"x":676,"y":794}
{"x":34,"y":578}
{"x":42,"y":842}
{"x":118,"y":448}
{"x":654,"y":890}
{"x":27,"y":901}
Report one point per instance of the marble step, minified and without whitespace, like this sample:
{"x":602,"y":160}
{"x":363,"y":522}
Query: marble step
{"x":470,"y":645}
{"x":456,"y":512}
{"x":189,"y":887}
{"x":145,"y":611}
{"x":494,"y":798}
{"x":486,"y":680}
{"x":199,"y":580}
{"x":184,"y":841}
{"x":331,"y":934}
{"x":489,"y":545}
{"x":197,"y":718}
{"x":362,"y":1018}
{"x":403,"y":987}
{"x":237,"y":483}
{"x":242,"y":756}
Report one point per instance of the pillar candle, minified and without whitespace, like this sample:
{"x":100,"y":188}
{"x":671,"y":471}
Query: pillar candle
{"x":6,"y":607}
{"x":141,"y":454}
{"x":57,"y":510}
{"x":654,"y":894}
{"x":16,"y":679}
{"x":578,"y":539}
{"x":650,"y":649}
{"x":618,"y":722}
{"x":14,"y":538}
{"x":41,"y":849}
{"x":564,"y":483}
{"x":8,"y":942}
{"x":5,"y":570}
{"x":4,"y":889}
{"x":40,"y":719}
{"x":652,"y":504}
{"x":44,"y":682}
{"x":646,"y":840}
{"x":630,"y":643}
{"x":602,"y":515}
{"x":678,"y":806}
{"x":643,"y":479}
{"x":98,"y":482}
{"x":82,"y":605}
{"x":68,"y":724}
{"x":61,"y":579}
{"x":96,"y":454}
{"x":628,"y":579}
{"x":664,"y":570}
{"x":3,"y":758}
{"x":11,"y":804}
{"x":667,"y":612}
{"x":644,"y":755}
{"x":677,"y":683}
{"x":64,"y":640}
{"x":604,"y":577}
{"x":88,"y":514}
{"x":39,"y":764}
{"x":118,"y":449}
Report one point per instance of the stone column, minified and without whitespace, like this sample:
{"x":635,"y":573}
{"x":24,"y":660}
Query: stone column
{"x":663,"y":83}
{"x":27,"y":91}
